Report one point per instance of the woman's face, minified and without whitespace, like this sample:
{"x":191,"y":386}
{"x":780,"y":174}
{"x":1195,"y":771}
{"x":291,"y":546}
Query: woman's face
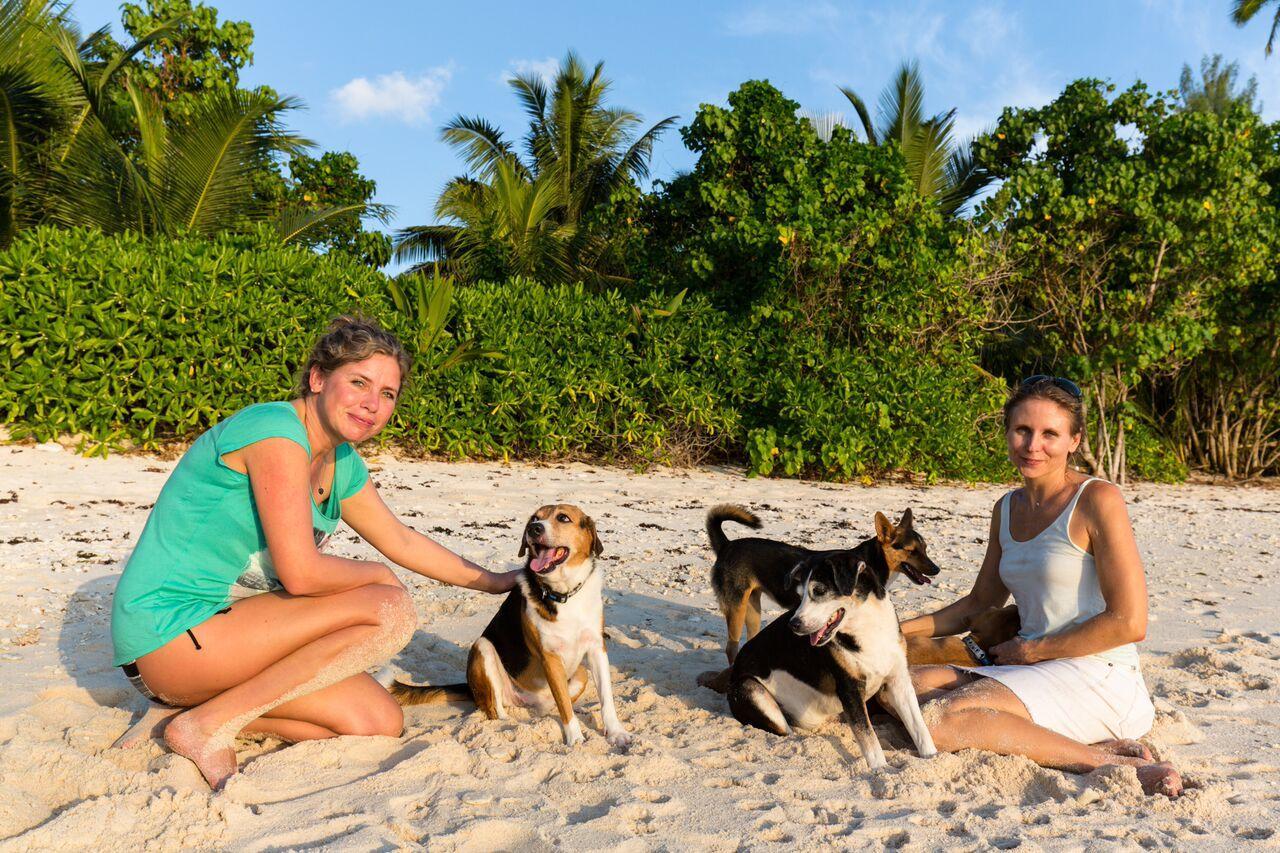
{"x":1039,"y":437}
{"x":356,"y":400}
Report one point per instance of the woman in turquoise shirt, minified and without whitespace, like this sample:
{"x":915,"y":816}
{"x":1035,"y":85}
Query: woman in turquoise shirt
{"x":230,"y":617}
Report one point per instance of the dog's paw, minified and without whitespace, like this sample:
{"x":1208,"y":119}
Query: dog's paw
{"x":715,"y":679}
{"x":620,"y":740}
{"x":573,"y":734}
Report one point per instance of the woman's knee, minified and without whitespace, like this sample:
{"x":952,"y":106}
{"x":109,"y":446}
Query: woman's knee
{"x":378,"y":716}
{"x":391,"y":608}
{"x":928,"y":678}
{"x":948,"y":725}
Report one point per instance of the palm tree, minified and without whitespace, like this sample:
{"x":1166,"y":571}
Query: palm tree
{"x":1216,"y":90}
{"x":1242,"y":11}
{"x":938,"y":166}
{"x":194,"y":177}
{"x":36,"y":100}
{"x":519,"y":211}
{"x":66,"y":158}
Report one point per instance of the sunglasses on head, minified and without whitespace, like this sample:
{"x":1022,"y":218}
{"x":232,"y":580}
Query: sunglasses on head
{"x":1065,"y":384}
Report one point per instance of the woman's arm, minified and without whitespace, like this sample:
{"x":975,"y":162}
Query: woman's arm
{"x":377,"y":525}
{"x":1120,"y":577}
{"x":988,"y":592}
{"x":278,"y":472}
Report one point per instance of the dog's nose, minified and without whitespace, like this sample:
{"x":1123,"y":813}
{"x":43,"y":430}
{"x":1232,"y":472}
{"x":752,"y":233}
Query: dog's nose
{"x":535,"y":528}
{"x":796,"y":626}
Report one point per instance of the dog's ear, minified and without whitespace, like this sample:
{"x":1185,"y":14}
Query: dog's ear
{"x":796,"y":576}
{"x":846,"y":572}
{"x":905,"y":523}
{"x":884,"y":529}
{"x":597,"y":547}
{"x":524,"y":537}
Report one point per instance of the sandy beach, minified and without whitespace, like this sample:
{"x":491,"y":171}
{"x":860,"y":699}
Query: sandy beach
{"x":697,"y":779}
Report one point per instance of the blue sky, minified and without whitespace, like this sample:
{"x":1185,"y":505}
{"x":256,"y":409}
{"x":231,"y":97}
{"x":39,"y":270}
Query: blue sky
{"x":380,"y":77}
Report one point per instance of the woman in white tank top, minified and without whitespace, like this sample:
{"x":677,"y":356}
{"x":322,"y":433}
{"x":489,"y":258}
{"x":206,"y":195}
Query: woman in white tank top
{"x":1067,"y":692}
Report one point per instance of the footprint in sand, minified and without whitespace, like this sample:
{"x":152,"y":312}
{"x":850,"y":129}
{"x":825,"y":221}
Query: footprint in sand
{"x":774,"y":834}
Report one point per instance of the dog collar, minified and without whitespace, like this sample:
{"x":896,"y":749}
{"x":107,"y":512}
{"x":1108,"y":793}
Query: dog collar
{"x":976,"y":650}
{"x":546,"y":593}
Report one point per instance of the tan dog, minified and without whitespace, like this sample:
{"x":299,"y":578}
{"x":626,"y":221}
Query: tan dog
{"x":545,"y":629}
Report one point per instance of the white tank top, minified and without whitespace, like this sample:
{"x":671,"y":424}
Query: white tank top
{"x":1053,"y":580}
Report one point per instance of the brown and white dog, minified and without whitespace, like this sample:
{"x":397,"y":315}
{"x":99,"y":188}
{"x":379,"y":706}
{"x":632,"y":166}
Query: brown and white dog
{"x":546,"y":637}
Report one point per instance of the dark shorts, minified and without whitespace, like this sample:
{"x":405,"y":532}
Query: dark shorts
{"x":135,"y":678}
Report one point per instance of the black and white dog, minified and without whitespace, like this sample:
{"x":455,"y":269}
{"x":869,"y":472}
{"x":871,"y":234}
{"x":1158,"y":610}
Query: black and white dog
{"x":837,"y":649}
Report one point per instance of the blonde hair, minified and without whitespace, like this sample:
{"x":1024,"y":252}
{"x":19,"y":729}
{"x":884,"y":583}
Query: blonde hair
{"x":352,"y":338}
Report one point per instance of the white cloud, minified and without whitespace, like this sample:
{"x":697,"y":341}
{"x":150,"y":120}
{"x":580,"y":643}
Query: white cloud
{"x":783,"y":19}
{"x":544,"y":68}
{"x":394,"y":96}
{"x":987,"y":29}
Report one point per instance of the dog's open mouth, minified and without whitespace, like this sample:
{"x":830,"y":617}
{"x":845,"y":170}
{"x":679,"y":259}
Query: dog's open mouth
{"x":817,"y":638}
{"x":547,"y":557}
{"x":915,"y":574}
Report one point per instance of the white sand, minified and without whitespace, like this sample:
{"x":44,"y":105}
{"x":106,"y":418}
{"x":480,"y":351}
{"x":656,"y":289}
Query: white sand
{"x":697,"y":779}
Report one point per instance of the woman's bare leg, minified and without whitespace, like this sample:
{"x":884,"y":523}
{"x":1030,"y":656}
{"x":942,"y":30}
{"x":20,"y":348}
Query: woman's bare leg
{"x":270,"y":650}
{"x":985,"y":714}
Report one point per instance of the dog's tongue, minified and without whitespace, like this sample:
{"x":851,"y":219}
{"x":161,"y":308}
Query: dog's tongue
{"x":542,"y":559}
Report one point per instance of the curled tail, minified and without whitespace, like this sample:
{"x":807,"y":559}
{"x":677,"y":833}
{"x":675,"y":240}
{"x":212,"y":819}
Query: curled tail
{"x":727,"y":512}
{"x":427,"y":694}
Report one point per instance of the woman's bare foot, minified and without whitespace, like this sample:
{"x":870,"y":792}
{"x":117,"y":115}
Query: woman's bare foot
{"x":149,"y":727}
{"x":1126,"y":747}
{"x":1160,"y":779}
{"x":215,"y":761}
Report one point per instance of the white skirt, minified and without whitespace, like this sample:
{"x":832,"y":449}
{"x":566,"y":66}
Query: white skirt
{"x":1086,"y":699}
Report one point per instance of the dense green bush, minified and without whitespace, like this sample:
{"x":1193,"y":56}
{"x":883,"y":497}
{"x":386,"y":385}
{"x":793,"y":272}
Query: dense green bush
{"x":150,"y":338}
{"x":127,"y":338}
{"x":833,"y":231}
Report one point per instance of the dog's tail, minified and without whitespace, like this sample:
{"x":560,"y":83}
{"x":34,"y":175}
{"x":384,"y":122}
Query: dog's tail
{"x":427,"y":694}
{"x":407,"y":693}
{"x":727,"y":512}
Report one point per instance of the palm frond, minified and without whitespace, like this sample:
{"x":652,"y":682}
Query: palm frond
{"x":153,"y":134}
{"x":293,"y":222}
{"x":926,"y":153}
{"x":902,"y":105}
{"x":965,"y":179}
{"x":97,"y":184}
{"x":531,"y":91}
{"x":479,"y":143}
{"x":210,"y":158}
{"x":634,"y":163}
{"x":864,"y":116}
{"x":423,"y":244}
{"x":1243,"y":11}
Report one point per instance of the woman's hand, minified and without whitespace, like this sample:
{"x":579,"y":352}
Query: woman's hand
{"x":500,"y":582}
{"x":1015,"y":651}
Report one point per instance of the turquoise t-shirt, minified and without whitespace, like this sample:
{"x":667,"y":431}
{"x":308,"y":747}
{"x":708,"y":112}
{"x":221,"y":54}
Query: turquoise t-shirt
{"x":204,"y":534}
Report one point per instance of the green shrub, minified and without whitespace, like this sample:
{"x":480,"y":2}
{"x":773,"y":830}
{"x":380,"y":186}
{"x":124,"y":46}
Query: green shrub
{"x":146,"y":340}
{"x":150,"y":338}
